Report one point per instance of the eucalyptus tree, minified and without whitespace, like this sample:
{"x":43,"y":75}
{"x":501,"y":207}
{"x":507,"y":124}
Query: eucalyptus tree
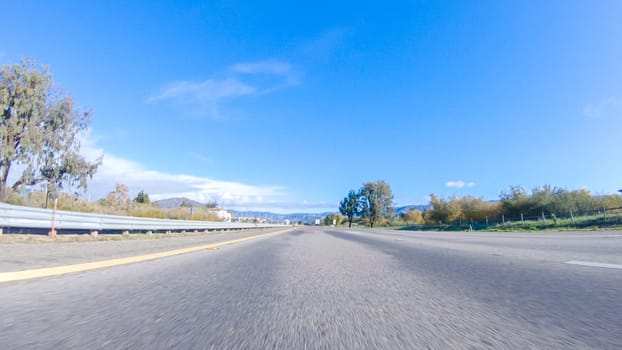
{"x":39,"y":132}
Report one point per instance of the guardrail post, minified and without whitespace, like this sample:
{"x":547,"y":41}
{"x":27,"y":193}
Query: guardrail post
{"x":52,"y":233}
{"x":522,"y":219}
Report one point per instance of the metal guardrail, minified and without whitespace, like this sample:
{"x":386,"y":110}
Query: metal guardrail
{"x":13,"y":216}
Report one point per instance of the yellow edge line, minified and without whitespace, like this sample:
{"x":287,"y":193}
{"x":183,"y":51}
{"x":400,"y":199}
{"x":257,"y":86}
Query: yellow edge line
{"x":61,"y":270}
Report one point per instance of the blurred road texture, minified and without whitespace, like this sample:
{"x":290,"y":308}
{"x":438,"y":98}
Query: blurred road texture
{"x":328,"y":288}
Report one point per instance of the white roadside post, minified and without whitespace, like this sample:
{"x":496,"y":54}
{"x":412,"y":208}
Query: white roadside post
{"x":52,"y":233}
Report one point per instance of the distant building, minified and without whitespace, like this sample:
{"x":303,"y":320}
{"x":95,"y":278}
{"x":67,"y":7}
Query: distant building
{"x":222,"y":214}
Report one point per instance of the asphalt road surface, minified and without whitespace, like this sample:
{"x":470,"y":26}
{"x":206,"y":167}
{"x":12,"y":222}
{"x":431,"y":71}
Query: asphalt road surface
{"x":337,"y":289}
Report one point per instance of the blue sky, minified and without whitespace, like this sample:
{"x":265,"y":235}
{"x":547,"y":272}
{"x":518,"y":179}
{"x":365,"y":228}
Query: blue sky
{"x":286,"y":106}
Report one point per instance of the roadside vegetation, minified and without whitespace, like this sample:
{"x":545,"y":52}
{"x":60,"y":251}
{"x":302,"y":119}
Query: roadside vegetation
{"x":602,"y":221}
{"x":117,"y":202}
{"x":542,"y":208}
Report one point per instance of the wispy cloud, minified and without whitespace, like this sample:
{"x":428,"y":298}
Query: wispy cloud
{"x":201,"y":158}
{"x":459,"y":184}
{"x":246,"y":78}
{"x":268,"y":76}
{"x":203,"y":97}
{"x":325,"y":43}
{"x":611,"y":106}
{"x":263,"y":67}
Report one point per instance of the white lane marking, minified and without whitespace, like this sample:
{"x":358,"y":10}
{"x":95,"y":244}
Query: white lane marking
{"x":594,"y":264}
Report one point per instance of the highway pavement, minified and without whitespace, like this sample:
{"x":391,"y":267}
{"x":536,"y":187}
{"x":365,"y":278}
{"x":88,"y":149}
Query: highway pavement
{"x":328,"y":288}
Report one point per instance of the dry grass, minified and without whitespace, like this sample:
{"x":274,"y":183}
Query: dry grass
{"x":36,"y":199}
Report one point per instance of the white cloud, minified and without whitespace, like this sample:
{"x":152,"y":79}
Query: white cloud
{"x":459,"y":184}
{"x":606,"y":107}
{"x":263,"y":67}
{"x":165,"y":185}
{"x":160,"y":185}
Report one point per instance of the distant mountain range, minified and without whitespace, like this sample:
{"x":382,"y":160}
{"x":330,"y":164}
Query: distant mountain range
{"x":273,"y":217}
{"x":177,"y":202}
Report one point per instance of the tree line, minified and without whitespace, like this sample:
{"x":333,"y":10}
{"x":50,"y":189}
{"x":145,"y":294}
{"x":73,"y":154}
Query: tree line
{"x":371,"y":205}
{"x":119,"y":202}
{"x":516,"y":202}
